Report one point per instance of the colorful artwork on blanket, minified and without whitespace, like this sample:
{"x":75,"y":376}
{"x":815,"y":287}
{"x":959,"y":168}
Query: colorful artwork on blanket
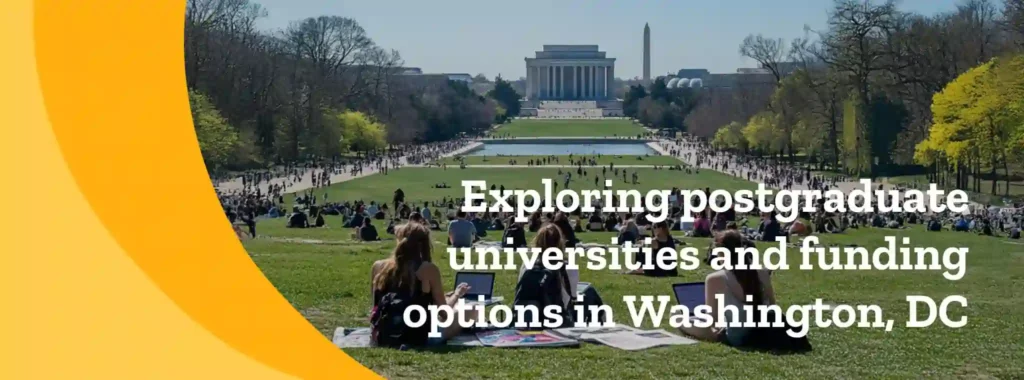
{"x":515,"y":338}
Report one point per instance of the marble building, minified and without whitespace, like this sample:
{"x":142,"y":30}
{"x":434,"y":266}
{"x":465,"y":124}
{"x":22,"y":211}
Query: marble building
{"x":570,"y":72}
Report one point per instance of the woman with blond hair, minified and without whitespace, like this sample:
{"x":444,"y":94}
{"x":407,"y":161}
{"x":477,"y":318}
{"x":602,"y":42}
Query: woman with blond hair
{"x":410,"y":275}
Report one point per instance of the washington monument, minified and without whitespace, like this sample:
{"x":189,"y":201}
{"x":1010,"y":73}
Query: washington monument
{"x":647,"y":53}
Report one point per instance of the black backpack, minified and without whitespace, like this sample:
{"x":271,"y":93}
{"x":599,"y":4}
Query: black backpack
{"x":387,"y":325}
{"x":541,"y":287}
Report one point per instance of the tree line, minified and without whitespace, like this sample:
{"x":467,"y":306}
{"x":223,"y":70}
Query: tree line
{"x":319,"y":88}
{"x":881,"y":90}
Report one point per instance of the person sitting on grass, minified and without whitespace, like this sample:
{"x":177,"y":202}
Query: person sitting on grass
{"x":319,"y":220}
{"x":549,"y":236}
{"x":611,"y":222}
{"x":372,"y":209}
{"x":562,"y":221}
{"x":298,"y":219}
{"x":734,"y":286}
{"x":357,"y":219}
{"x":702,"y":226}
{"x":496,"y":223}
{"x":461,"y":232}
{"x":425,"y":212}
{"x":662,"y":239}
{"x":417,"y":218}
{"x":961,"y":224}
{"x":479,"y":225}
{"x":409,"y":271}
{"x":798,"y":228}
{"x":769,"y":228}
{"x":368,"y":232}
{"x":595,"y":223}
{"x":534,"y":221}
{"x":629,"y":232}
{"x":516,"y":233}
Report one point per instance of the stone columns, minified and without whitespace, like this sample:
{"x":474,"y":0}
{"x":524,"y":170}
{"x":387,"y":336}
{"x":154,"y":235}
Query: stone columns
{"x":547,"y":82}
{"x":575,"y":80}
{"x":604,"y":75}
{"x":590,"y":85}
{"x":561,"y":82}
{"x":529,"y":81}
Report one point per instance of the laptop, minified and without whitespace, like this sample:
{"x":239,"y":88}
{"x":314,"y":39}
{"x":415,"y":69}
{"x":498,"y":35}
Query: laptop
{"x":480,"y":283}
{"x":581,"y":287}
{"x":690,"y":294}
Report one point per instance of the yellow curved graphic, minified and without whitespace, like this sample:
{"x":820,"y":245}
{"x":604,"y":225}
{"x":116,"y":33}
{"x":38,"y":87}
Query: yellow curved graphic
{"x":125,"y":265}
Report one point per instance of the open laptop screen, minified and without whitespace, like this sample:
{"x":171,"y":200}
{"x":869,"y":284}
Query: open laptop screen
{"x":479,"y":283}
{"x":689,"y":294}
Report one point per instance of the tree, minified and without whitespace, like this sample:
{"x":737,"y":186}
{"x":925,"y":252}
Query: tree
{"x":361,"y":133}
{"x":217,"y":139}
{"x":768,"y":52}
{"x":730,"y":137}
{"x":762,"y":133}
{"x":630,"y":103}
{"x":506,"y":96}
{"x":1013,"y":16}
{"x":978,"y":120}
{"x":855,"y":46}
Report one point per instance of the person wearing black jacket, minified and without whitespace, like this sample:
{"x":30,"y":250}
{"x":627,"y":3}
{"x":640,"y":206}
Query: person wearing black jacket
{"x":562,"y":221}
{"x":516,"y":232}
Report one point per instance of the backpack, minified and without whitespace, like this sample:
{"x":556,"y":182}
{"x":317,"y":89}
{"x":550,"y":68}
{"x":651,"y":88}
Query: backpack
{"x":542,"y":287}
{"x":387,"y":325}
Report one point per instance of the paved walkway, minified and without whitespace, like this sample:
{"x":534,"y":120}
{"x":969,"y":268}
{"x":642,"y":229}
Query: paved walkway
{"x":307,"y":181}
{"x":657,"y":145}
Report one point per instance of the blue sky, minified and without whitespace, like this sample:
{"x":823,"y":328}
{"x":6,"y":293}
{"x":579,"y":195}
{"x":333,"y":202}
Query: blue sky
{"x":493,"y":37}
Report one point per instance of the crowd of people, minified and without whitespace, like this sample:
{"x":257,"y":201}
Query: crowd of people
{"x":410,"y":270}
{"x":260,"y":193}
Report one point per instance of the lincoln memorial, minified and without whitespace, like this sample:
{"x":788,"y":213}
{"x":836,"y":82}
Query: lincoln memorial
{"x":570,"y":72}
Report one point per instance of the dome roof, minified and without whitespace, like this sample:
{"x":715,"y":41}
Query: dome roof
{"x":672,"y":83}
{"x":683,"y":82}
{"x":696,"y":83}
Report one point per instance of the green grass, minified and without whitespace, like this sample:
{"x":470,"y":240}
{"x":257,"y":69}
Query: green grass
{"x":417,"y":183}
{"x":328,"y":284}
{"x":569,"y":128}
{"x":564,"y":160}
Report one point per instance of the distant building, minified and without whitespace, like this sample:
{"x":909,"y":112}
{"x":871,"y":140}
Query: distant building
{"x":416,"y":75}
{"x":569,"y":72}
{"x":460,"y":78}
{"x":693,"y":73}
{"x":704,"y":78}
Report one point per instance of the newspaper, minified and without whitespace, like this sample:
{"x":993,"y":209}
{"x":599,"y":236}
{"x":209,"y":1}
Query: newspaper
{"x":639,"y":340}
{"x":590,"y":334}
{"x":351,"y":338}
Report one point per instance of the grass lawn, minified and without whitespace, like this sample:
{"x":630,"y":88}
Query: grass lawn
{"x":329,"y":284}
{"x":564,"y":160}
{"x":417,"y":183}
{"x":569,"y":128}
